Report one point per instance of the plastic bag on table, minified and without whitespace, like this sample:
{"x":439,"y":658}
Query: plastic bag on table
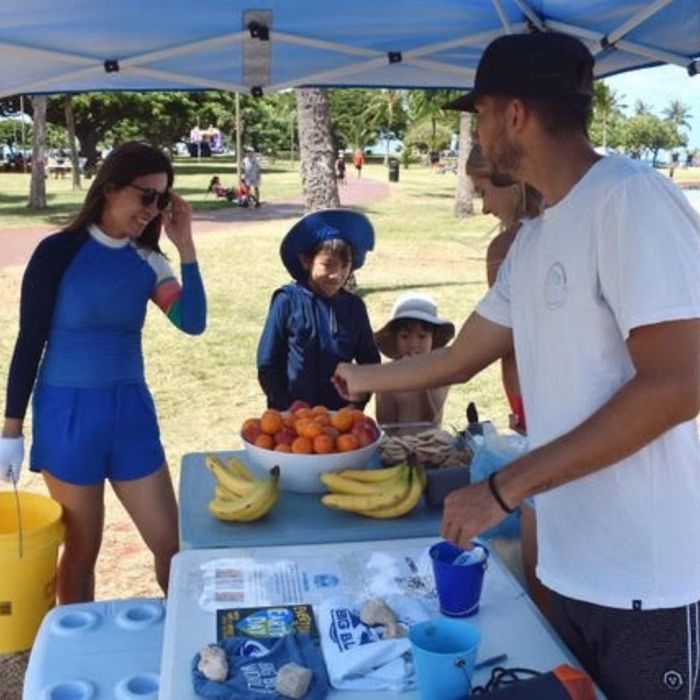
{"x":491,"y":452}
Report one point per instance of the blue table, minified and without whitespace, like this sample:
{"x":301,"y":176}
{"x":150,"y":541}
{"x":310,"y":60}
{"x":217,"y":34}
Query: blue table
{"x":298,"y":518}
{"x":507,"y":618}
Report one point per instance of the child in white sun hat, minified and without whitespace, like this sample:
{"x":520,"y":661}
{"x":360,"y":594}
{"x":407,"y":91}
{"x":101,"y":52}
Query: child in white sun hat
{"x":413,"y":329}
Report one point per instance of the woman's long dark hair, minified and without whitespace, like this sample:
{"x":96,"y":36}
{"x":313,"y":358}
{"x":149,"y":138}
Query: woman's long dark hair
{"x":120,"y":167}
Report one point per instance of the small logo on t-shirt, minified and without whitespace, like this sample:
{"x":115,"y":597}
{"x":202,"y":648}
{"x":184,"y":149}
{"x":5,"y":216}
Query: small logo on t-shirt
{"x":673,"y":680}
{"x":556,"y":287}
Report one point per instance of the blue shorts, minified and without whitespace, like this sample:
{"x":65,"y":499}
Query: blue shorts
{"x":86,"y":435}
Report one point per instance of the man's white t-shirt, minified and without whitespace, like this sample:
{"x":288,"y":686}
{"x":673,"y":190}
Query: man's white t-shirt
{"x":621,"y":250}
{"x":251,"y":169}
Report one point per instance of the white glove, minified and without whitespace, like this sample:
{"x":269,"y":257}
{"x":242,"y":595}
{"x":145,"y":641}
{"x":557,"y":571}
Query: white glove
{"x":11,"y":458}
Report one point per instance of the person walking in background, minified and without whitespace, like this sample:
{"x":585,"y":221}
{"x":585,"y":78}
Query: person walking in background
{"x":511,"y":203}
{"x":600,"y":297}
{"x":358,"y":160}
{"x":340,"y":167}
{"x":413,"y":329}
{"x":313,"y":323}
{"x":251,"y":171}
{"x":84,"y":297}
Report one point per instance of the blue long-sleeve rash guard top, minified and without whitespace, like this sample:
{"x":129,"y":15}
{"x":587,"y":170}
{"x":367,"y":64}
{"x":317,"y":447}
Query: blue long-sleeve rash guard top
{"x":83,"y":305}
{"x":304,"y":339}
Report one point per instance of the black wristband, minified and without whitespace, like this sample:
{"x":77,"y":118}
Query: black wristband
{"x":494,"y":492}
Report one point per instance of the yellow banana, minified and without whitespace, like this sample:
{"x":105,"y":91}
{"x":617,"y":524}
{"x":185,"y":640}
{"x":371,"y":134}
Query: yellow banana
{"x":222,"y":493}
{"x":372,"y":476}
{"x":389,"y":496}
{"x":226,"y":478}
{"x":342,"y":485}
{"x":263,"y":495}
{"x":415,"y":491}
{"x":240,"y":469}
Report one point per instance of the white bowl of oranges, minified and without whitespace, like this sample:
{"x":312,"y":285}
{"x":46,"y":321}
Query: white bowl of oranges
{"x":305,"y":442}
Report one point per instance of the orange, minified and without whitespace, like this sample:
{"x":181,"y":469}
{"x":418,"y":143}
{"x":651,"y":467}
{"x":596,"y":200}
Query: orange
{"x":265,"y":441}
{"x":288,"y":418}
{"x":342,"y":420}
{"x":282,"y":447}
{"x":308,"y":428}
{"x":302,"y":446}
{"x":323,"y":418}
{"x":271,"y":422}
{"x":303,"y":413}
{"x":357,"y":415}
{"x":346,"y":443}
{"x":323,"y":444}
{"x":251,"y":423}
{"x":319,"y":410}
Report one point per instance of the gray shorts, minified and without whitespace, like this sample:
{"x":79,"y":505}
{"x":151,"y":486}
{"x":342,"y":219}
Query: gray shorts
{"x":634,"y":654}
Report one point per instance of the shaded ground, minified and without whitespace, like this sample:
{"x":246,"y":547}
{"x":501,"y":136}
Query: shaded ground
{"x":125,"y":568}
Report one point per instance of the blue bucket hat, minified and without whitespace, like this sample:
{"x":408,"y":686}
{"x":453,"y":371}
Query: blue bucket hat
{"x":325,"y":225}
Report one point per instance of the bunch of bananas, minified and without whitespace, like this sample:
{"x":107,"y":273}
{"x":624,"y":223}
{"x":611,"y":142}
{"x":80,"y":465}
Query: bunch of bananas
{"x":240,"y":495}
{"x":375,"y":493}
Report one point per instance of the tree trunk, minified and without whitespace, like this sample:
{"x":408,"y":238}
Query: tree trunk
{"x":89,"y":137}
{"x":70,"y":125}
{"x":464,"y":194}
{"x":37,"y":188}
{"x":316,"y":150}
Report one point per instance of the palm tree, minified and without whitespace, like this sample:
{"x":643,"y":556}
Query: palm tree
{"x":464,"y":192}
{"x":357,"y":134}
{"x":37,"y":187}
{"x":606,"y":106}
{"x":70,"y":126}
{"x":383,"y":111}
{"x":316,"y":149}
{"x":678,"y":114}
{"x":429,"y":105}
{"x":642,"y":109}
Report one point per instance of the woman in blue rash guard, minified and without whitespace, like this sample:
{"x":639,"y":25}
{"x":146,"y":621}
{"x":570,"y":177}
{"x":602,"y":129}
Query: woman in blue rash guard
{"x":83,"y":304}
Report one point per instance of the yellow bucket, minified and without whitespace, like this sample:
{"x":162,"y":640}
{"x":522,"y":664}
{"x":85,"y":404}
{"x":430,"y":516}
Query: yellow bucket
{"x":28,"y":553}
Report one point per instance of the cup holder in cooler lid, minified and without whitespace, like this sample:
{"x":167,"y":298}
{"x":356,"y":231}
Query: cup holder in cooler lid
{"x":75,"y":622}
{"x":142,"y":686}
{"x":140,"y":615}
{"x":71,"y":690}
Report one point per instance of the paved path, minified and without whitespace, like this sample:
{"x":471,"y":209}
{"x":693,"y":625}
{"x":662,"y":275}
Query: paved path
{"x":17,"y":244}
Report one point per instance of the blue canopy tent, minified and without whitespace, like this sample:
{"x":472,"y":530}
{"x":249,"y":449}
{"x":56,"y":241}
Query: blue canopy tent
{"x":49,"y":46}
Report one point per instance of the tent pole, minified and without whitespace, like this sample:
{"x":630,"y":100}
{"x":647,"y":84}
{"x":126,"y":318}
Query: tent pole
{"x":636,"y":20}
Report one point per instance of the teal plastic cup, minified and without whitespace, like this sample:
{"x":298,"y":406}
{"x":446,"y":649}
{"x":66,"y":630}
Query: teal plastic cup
{"x":444,"y":655}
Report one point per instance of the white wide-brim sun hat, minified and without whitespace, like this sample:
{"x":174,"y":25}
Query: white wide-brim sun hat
{"x":418,"y":307}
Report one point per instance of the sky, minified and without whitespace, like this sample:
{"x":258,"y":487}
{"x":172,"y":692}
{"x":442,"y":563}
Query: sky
{"x":657,"y":87}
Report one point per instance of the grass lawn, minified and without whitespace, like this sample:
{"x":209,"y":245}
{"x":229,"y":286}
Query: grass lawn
{"x":205,"y":387}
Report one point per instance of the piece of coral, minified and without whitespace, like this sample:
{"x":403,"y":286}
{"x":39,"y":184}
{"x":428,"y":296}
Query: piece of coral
{"x":213,"y":663}
{"x":293,"y":680}
{"x":375,"y":611}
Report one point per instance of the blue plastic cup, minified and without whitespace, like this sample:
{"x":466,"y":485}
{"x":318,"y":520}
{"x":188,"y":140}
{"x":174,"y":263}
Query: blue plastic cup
{"x":444,"y":655}
{"x":458,"y":586}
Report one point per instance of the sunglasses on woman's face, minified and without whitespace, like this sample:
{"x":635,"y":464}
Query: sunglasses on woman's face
{"x":149,"y":195}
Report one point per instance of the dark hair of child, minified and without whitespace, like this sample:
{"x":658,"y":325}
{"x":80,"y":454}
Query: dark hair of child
{"x":335,"y":246}
{"x":405,"y":324}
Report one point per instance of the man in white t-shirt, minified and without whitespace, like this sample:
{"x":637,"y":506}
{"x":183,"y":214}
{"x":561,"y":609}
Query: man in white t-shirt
{"x":251,"y":170}
{"x":600,"y":298}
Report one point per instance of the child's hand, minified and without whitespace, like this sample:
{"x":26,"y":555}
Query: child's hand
{"x":343,"y":379}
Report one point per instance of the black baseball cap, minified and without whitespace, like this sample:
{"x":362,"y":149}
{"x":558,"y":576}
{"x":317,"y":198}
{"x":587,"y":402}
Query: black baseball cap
{"x":531,"y":65}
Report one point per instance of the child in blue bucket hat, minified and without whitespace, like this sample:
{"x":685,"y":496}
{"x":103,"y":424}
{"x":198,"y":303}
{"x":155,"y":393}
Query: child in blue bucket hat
{"x":314,"y":323}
